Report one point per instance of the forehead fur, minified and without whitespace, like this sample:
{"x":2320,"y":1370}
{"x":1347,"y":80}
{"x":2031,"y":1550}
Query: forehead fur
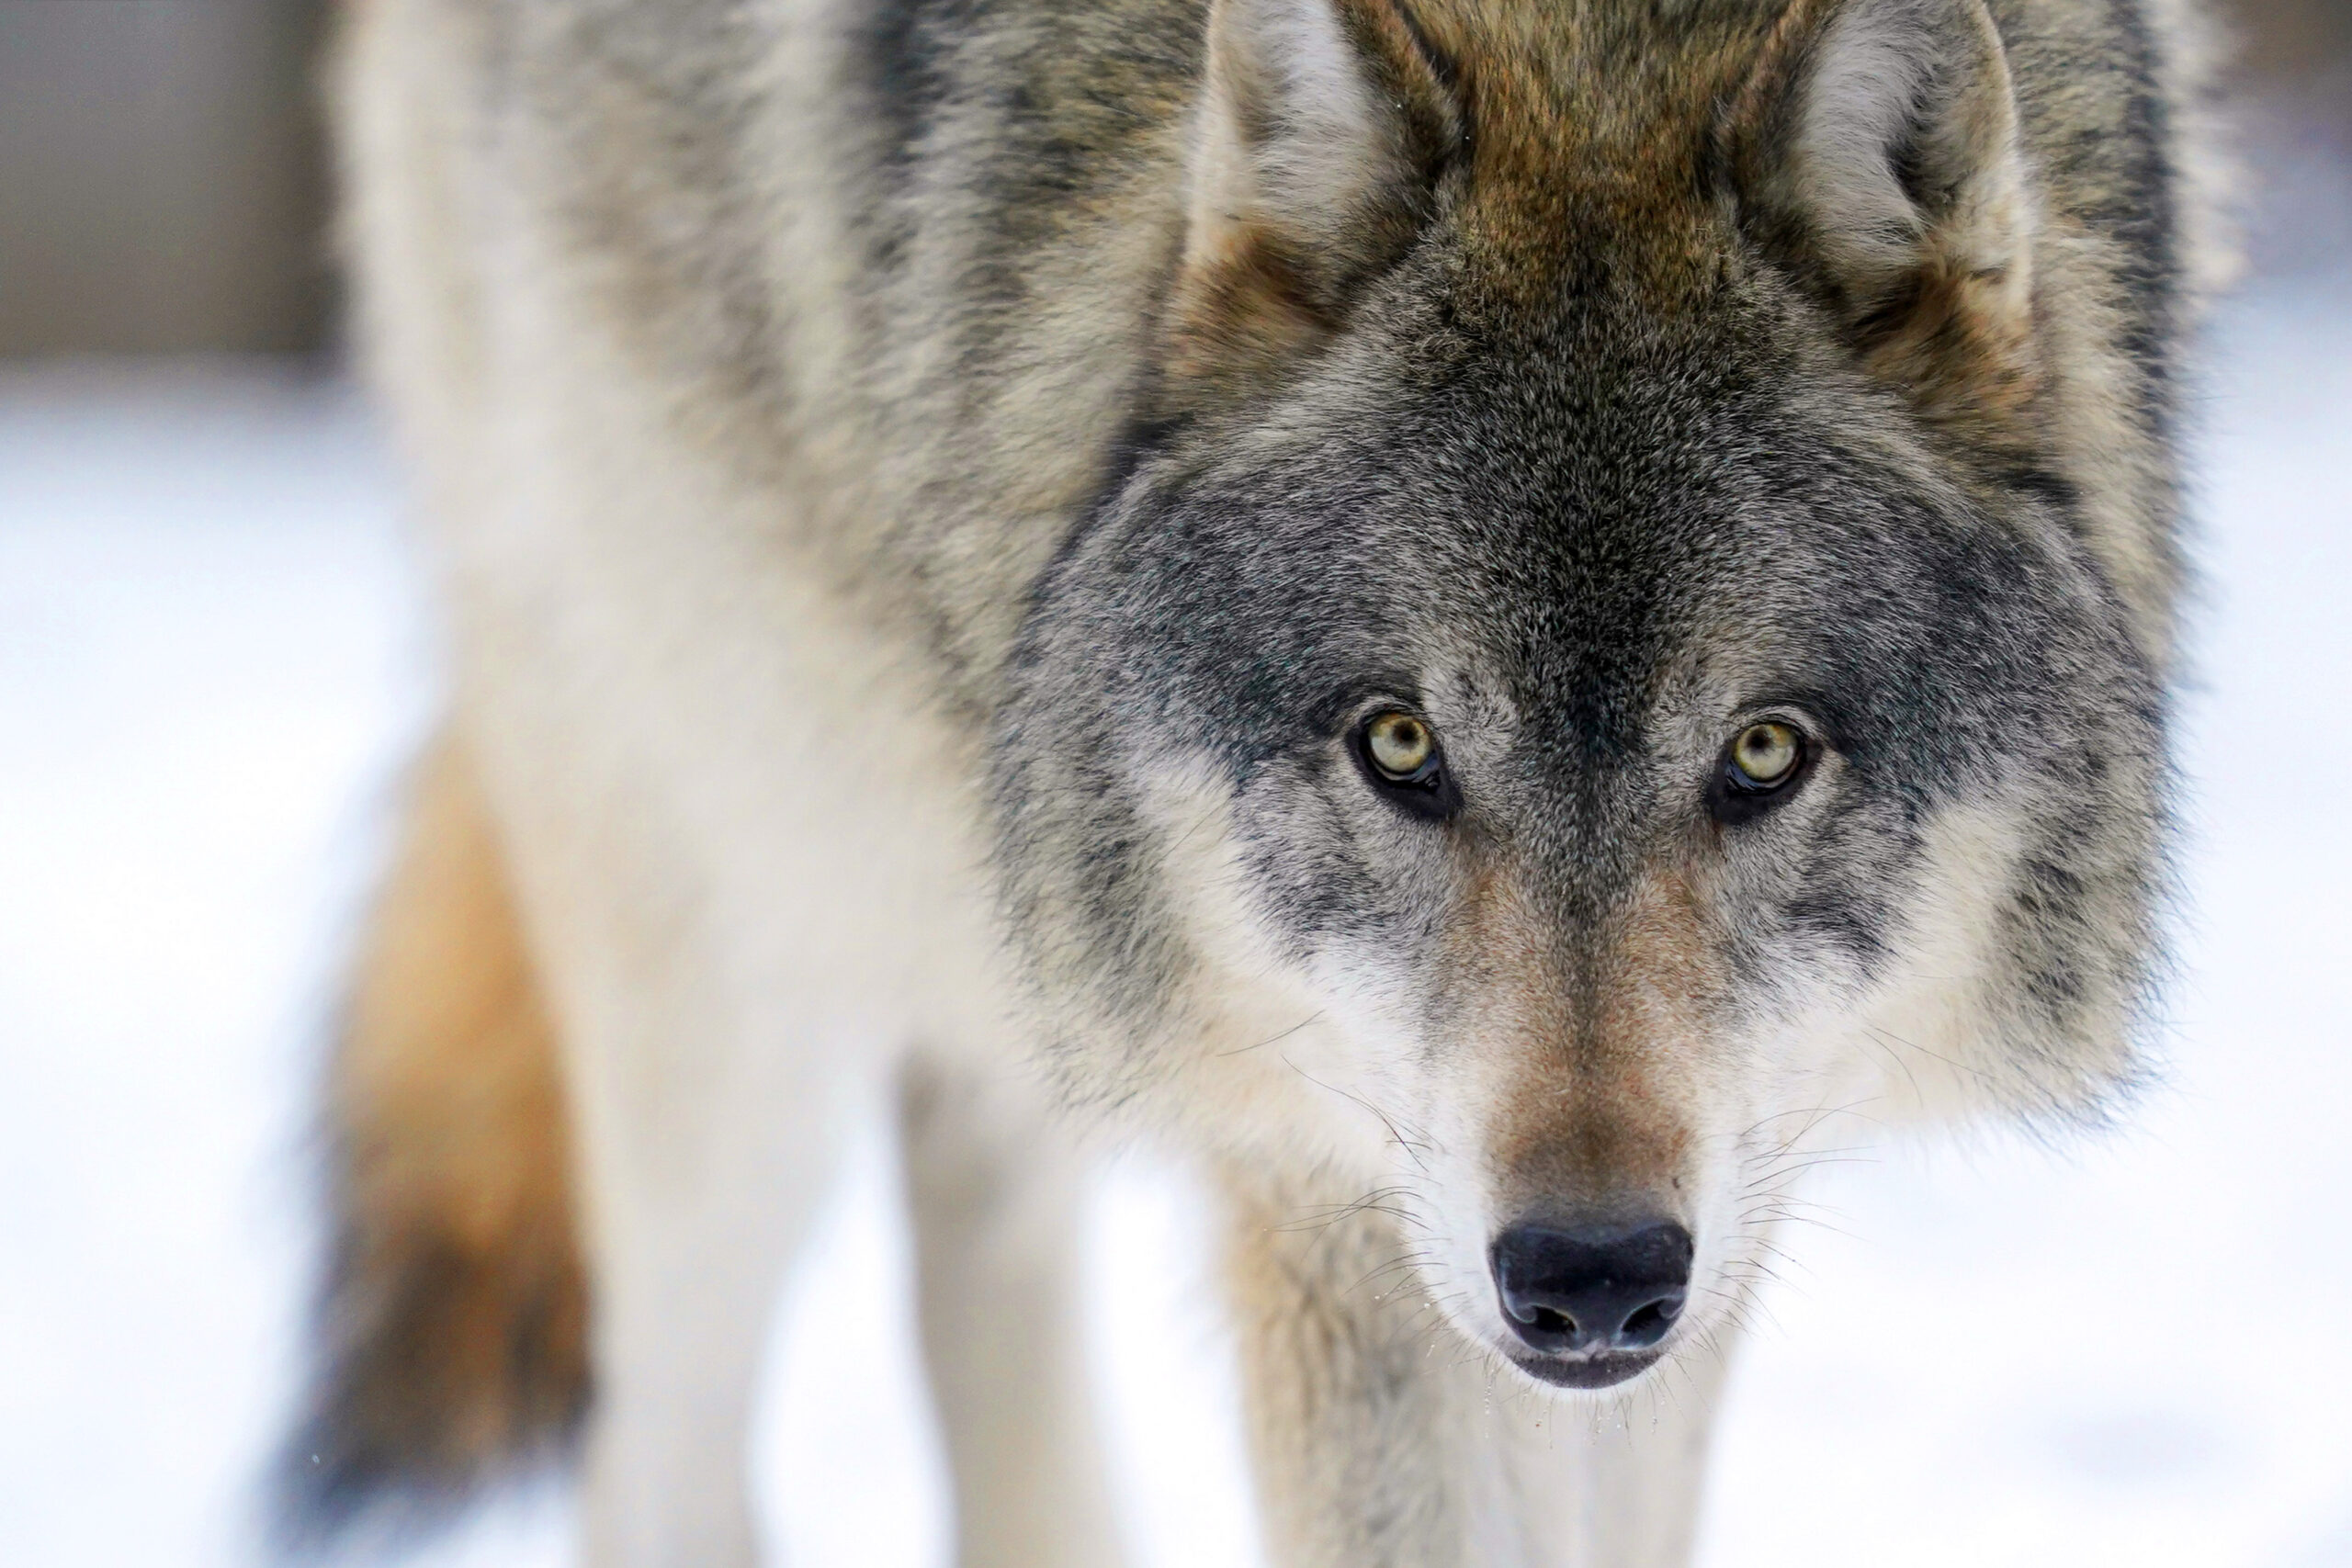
{"x":1591,"y":124}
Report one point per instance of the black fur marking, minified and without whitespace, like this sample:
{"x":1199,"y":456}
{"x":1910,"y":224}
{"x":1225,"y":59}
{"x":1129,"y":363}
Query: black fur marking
{"x":907,"y":49}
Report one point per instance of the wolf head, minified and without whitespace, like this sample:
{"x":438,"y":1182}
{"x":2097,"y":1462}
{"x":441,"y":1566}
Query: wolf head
{"x":1609,"y":654}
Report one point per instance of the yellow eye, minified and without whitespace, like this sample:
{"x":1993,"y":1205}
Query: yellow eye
{"x":1764,"y":755}
{"x":1400,"y":746}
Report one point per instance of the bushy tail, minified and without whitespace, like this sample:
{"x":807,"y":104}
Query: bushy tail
{"x":452,"y":1327}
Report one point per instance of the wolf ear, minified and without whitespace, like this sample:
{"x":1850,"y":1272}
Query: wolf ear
{"x":1320,"y":131}
{"x":1882,"y":161}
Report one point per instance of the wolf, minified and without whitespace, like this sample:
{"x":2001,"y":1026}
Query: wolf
{"x":1486,"y":618}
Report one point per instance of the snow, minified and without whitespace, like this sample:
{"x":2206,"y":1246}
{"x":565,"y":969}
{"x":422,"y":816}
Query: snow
{"x":213,"y":654}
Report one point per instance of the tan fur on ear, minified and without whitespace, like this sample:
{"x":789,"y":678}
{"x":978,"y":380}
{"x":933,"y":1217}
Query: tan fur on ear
{"x":455,"y":1319}
{"x":1881,"y":152}
{"x":1321,"y":126}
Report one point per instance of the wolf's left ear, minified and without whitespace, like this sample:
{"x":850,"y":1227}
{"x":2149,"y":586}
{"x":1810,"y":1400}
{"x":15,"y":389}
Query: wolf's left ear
{"x":1878,"y":155}
{"x":1320,"y":131}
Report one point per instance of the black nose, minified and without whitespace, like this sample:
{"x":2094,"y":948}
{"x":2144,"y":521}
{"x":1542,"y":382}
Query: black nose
{"x":1592,"y":1289}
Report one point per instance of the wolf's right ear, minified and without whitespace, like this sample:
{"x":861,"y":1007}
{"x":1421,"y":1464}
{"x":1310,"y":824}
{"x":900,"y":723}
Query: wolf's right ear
{"x":1321,"y":130}
{"x":1880,"y":155}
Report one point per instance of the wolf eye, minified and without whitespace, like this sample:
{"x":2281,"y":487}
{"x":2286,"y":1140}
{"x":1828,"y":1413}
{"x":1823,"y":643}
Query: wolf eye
{"x":1400,"y":755}
{"x":1402,"y":749}
{"x":1764,"y":755}
{"x":1758,"y":768}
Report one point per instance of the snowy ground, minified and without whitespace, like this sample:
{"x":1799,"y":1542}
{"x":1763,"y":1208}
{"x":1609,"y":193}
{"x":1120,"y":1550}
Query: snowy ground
{"x":211,"y":655}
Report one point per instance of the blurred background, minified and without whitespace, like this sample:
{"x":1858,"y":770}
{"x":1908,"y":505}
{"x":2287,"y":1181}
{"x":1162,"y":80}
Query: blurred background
{"x":214,"y":655}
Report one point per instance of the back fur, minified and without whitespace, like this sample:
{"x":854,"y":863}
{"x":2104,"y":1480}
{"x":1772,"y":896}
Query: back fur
{"x":453,"y":1338}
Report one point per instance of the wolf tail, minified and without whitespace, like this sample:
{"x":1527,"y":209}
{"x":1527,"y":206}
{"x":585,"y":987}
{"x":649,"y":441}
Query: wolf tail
{"x":451,"y":1336}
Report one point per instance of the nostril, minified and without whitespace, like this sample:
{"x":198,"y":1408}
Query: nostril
{"x":1649,"y":1322}
{"x":1544,"y":1320}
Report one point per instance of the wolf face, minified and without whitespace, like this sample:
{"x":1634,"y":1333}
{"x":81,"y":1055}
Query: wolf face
{"x":1576,"y":712}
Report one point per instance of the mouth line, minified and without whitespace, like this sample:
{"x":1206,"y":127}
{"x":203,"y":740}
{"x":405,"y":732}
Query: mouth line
{"x":1604,"y":1371}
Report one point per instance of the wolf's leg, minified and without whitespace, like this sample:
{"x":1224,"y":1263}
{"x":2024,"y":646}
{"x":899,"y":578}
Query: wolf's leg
{"x":1382,"y":1440}
{"x":1617,"y":1482}
{"x":1646,"y":1465}
{"x":705,"y":1149}
{"x":994,"y":1192}
{"x":1349,"y":1397}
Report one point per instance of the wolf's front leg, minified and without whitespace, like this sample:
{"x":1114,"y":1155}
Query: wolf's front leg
{"x":702,"y":1182}
{"x":1383,"y":1439}
{"x":994,"y":1191}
